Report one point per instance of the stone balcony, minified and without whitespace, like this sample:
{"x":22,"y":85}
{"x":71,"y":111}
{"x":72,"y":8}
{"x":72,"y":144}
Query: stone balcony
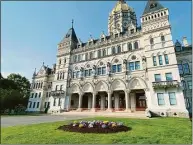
{"x":166,"y":84}
{"x":57,"y":93}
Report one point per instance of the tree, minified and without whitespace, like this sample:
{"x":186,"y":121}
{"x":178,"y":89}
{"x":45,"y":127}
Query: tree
{"x":22,"y":83}
{"x":14,"y":91}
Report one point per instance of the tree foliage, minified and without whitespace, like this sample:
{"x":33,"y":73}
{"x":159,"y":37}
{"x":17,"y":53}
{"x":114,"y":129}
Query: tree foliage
{"x":14,"y":90}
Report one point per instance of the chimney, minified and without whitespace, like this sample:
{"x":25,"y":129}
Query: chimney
{"x":185,"y":42}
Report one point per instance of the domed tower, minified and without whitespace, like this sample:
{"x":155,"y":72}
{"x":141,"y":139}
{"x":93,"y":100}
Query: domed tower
{"x":122,"y":19}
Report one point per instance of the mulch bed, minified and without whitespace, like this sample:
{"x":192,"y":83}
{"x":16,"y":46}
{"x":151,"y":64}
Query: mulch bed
{"x":95,"y":129}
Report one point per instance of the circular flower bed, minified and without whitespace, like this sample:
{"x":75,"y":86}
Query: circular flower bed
{"x":95,"y":127}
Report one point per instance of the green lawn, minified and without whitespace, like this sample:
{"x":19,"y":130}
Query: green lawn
{"x":144,"y":131}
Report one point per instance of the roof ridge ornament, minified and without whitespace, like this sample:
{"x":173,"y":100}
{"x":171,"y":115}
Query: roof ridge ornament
{"x":72,"y":23}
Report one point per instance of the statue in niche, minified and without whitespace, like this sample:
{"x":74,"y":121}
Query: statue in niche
{"x":94,"y":70}
{"x":108,"y":68}
{"x":144,"y":63}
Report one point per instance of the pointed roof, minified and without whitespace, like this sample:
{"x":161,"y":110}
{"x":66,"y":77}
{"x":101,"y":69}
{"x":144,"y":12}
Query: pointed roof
{"x":151,"y":6}
{"x":71,"y":34}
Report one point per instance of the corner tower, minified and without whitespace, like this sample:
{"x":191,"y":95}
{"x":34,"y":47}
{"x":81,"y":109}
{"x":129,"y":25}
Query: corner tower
{"x":61,"y":78}
{"x":122,"y":19}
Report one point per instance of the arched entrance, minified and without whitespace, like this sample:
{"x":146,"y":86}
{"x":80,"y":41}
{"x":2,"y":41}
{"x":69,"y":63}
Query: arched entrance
{"x":118,"y":100}
{"x":86,"y":101}
{"x":101,"y":101}
{"x":74,"y":101}
{"x":137,"y":94}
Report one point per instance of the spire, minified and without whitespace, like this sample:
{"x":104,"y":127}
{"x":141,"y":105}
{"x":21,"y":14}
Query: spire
{"x":151,"y":6}
{"x":34,"y":72}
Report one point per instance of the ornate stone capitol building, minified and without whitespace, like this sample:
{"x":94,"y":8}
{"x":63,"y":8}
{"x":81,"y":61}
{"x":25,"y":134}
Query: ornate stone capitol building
{"x":133,"y":68}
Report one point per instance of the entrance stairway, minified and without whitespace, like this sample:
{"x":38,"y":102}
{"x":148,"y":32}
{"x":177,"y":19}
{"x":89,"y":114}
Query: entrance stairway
{"x":122,"y":114}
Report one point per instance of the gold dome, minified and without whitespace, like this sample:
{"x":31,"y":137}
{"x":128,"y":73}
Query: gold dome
{"x":121,"y":6}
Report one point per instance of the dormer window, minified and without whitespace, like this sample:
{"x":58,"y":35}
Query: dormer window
{"x":153,"y":5}
{"x":90,"y":43}
{"x":79,"y":46}
{"x":116,"y":35}
{"x":102,"y":39}
{"x":132,"y":31}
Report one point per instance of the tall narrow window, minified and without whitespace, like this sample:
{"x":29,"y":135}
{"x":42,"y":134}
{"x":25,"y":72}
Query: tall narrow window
{"x":118,"y":49}
{"x":160,"y":97}
{"x":166,"y":59}
{"x":172,"y":97}
{"x":103,"y":70}
{"x":157,"y":77}
{"x":86,"y":73}
{"x":99,"y":53}
{"x":32,"y":95}
{"x":56,"y":88}
{"x":160,"y":60}
{"x":86,"y":56}
{"x":130,"y":46}
{"x":162,"y":38}
{"x":91,"y":55}
{"x":61,"y":87}
{"x":54,"y":103}
{"x":30,"y":103}
{"x":151,"y":41}
{"x":113,"y":50}
{"x":183,"y":84}
{"x":59,"y":102}
{"x":136,"y":46}
{"x":36,"y":94}
{"x":154,"y":61}
{"x":131,"y":66}
{"x":137,"y":65}
{"x":90,"y":72}
{"x":39,"y":94}
{"x":104,"y":52}
{"x":113,"y":68}
{"x":169,"y":76}
{"x":38,"y":103}
{"x":45,"y":104}
{"x":34,"y":104}
{"x":77,"y":74}
{"x":99,"y":71}
{"x":119,"y":68}
{"x":189,"y":85}
{"x":186,"y":68}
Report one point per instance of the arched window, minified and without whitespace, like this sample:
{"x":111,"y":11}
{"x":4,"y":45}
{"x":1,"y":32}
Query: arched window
{"x":136,"y":45}
{"x":130,"y":46}
{"x":59,"y":61}
{"x":41,"y":84}
{"x":113,"y":50}
{"x":151,"y":41}
{"x":161,"y":14}
{"x":158,"y":15}
{"x":118,"y":49}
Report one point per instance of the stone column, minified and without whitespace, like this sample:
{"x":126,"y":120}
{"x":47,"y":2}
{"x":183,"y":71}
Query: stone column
{"x":80,"y":102}
{"x":109,"y":101}
{"x":94,"y":102}
{"x":89,"y":102}
{"x":102,"y":101}
{"x":116,"y":101}
{"x":133,"y":102}
{"x":127,"y":101}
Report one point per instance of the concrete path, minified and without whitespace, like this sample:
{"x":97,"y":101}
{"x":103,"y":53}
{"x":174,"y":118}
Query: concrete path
{"x":25,"y":120}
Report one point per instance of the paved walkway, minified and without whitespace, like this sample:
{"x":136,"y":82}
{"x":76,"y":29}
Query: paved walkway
{"x":25,"y":120}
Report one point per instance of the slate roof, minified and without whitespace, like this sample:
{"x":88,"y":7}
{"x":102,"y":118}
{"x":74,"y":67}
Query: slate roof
{"x":71,"y":33}
{"x":148,"y":9}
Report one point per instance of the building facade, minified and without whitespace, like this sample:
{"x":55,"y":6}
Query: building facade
{"x":184,"y":59}
{"x":133,"y":68}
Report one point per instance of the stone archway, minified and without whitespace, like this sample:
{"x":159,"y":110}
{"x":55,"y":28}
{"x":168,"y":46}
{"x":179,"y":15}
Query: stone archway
{"x":137,"y":95}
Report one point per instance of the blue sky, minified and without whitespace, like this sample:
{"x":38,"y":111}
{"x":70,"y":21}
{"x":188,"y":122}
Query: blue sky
{"x":30,"y":31}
